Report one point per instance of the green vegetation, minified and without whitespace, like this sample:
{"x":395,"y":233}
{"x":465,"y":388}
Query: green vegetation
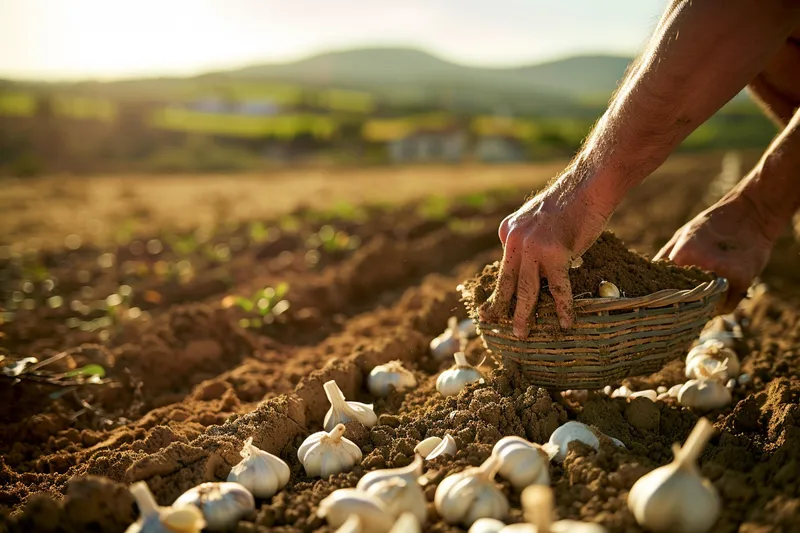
{"x":267,"y":304}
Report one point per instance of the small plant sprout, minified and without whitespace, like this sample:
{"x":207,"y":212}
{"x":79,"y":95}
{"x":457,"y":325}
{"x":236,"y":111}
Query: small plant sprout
{"x":675,"y":498}
{"x":342,"y":411}
{"x":260,"y":472}
{"x":537,"y":504}
{"x":267,"y":303}
{"x":523,"y":463}
{"x":393,"y":374}
{"x":608,"y":290}
{"x":222,"y":504}
{"x":707,"y":393}
{"x":557,"y":447}
{"x":341,"y":504}
{"x":451,"y":381}
{"x":155,"y":519}
{"x":466,"y":496}
{"x":325,"y":453}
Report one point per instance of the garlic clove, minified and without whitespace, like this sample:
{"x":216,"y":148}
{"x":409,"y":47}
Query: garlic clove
{"x":537,"y":505}
{"x":155,"y":519}
{"x":407,"y":523}
{"x":523,"y":463}
{"x":260,"y":472}
{"x":466,"y":496}
{"x":425,"y":447}
{"x":486,"y":525}
{"x":342,"y":411}
{"x":393,"y":374}
{"x":223,"y":504}
{"x":400,"y":496}
{"x":446,"y":344}
{"x":341,"y":504}
{"x":704,"y":394}
{"x":325,"y":453}
{"x":650,"y":394}
{"x":661,"y":389}
{"x":674,"y":390}
{"x":557,"y":446}
{"x":608,"y":290}
{"x":410,"y":473}
{"x":607,"y":390}
{"x":622,"y":392}
{"x":448,"y":446}
{"x":450,"y":382}
{"x":675,"y":498}
{"x":351,"y":525}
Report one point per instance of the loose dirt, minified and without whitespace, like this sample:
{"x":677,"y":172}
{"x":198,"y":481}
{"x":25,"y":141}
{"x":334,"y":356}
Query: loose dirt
{"x":192,"y":377}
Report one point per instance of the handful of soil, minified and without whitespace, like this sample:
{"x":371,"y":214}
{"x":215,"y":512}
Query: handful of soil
{"x":606,"y":260}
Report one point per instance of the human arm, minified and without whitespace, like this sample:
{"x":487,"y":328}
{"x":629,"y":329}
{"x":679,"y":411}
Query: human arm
{"x":702,"y":54}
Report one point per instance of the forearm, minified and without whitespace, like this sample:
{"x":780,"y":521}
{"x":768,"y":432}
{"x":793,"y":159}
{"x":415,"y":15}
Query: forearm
{"x":772,"y":189}
{"x":703,"y":53}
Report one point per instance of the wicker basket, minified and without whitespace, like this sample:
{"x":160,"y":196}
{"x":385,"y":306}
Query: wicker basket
{"x":612,"y":338}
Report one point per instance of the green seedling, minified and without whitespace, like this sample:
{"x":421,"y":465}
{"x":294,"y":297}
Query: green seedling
{"x":434,"y":208}
{"x":267,"y":303}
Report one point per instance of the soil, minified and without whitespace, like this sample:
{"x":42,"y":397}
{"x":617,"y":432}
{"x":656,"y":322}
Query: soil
{"x":608,"y":259}
{"x":191,"y":376}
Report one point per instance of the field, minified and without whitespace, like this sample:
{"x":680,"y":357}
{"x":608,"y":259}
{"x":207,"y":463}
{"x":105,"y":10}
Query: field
{"x":180,"y":316}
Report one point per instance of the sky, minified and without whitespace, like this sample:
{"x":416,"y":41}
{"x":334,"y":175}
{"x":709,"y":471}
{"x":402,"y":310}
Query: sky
{"x":109,"y":39}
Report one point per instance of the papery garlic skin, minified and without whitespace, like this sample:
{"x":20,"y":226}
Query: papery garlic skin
{"x":523,"y":463}
{"x":465,"y":497}
{"x":341,"y":504}
{"x":155,"y":519}
{"x":222,"y":504}
{"x":425,"y":447}
{"x":450,"y":382}
{"x":393,"y":374}
{"x":342,"y":411}
{"x":608,"y":290}
{"x":448,"y":446}
{"x":325,"y":453}
{"x":486,"y":525}
{"x":260,"y":472}
{"x":714,"y":349}
{"x":675,"y":498}
{"x":704,"y":394}
{"x":400,"y":496}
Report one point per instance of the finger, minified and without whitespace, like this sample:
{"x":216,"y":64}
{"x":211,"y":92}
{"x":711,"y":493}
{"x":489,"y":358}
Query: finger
{"x":561,"y":289}
{"x":498,"y":304}
{"x":505,"y":228}
{"x":527,"y":296}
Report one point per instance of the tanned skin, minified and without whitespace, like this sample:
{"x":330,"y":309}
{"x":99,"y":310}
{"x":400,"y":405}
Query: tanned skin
{"x":701,"y":54}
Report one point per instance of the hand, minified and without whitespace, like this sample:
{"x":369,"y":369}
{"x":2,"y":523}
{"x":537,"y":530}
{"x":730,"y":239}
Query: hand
{"x":541,"y":240}
{"x":727,"y":239}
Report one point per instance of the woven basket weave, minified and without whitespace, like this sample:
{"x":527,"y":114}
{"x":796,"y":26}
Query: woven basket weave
{"x":612,"y":338}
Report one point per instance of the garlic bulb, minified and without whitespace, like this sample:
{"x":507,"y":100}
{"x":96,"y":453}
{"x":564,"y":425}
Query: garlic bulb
{"x":409,"y":473}
{"x":342,"y":411}
{"x":448,"y":446}
{"x":341,"y":504}
{"x":407,"y":523}
{"x":393,"y":374}
{"x":450,"y":382}
{"x":399,"y":496}
{"x":608,"y":290}
{"x":558,"y":445}
{"x":716,"y":350}
{"x":466,"y":496}
{"x":704,"y":394}
{"x":650,"y":394}
{"x":486,"y":525}
{"x":351,"y":525}
{"x":537,"y":504}
{"x":723,"y":328}
{"x":675,"y":498}
{"x":326,"y":453}
{"x":260,"y":472}
{"x":222,"y":504}
{"x":155,"y":519}
{"x":523,"y":463}
{"x":425,"y":447}
{"x":448,"y":343}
